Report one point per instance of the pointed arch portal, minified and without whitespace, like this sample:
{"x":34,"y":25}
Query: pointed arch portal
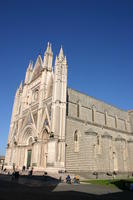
{"x":29,"y":152}
{"x":27,"y":139}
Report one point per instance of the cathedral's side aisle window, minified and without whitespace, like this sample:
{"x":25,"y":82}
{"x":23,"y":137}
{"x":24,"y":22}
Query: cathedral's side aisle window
{"x":78,"y":109}
{"x":76,"y":141}
{"x":93,"y":113}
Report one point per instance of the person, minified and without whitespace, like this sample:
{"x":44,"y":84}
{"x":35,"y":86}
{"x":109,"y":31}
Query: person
{"x":23,"y":168}
{"x":13,"y":167}
{"x":131,"y":186}
{"x":13,"y":175}
{"x":2,"y":167}
{"x":68,"y":179}
{"x":17,"y":175}
{"x":76,"y":179}
{"x":31,"y":172}
{"x":96,"y":174}
{"x":4,"y":170}
{"x":114,"y":174}
{"x":45,"y":175}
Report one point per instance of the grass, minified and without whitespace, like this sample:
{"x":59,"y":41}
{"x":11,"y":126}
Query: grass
{"x":119,"y":183}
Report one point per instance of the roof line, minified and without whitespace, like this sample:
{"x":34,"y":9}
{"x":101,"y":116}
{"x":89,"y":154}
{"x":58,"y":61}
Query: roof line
{"x":99,"y":100}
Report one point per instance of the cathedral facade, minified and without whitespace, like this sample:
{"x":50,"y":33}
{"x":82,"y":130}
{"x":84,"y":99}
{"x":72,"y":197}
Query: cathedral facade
{"x":57,"y":128}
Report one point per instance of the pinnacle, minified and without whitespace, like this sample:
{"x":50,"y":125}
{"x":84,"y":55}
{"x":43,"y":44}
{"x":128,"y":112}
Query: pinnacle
{"x":48,"y":46}
{"x":49,"y":49}
{"x":65,"y":60}
{"x":21,"y":86}
{"x":56,"y":60}
{"x":61,"y":54}
{"x":30,"y":65}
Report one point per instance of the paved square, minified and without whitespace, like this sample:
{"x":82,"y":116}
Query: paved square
{"x":37,"y":189}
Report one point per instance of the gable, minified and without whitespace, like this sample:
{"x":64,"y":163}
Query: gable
{"x":37,"y":68}
{"x":45,"y":122}
{"x":28,"y":120}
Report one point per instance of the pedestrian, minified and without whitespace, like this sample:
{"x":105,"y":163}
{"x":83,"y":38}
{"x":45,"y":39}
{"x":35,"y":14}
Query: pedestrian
{"x":13,"y":175}
{"x":23,"y":168}
{"x":68,"y":179}
{"x":31,"y":172}
{"x":13,"y":167}
{"x":76,"y":179}
{"x":2,"y":167}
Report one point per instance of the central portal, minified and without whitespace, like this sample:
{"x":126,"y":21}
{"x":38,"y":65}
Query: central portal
{"x":29,"y":152}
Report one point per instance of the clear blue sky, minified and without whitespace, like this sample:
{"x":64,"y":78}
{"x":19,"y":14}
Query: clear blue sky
{"x":97,"y":37}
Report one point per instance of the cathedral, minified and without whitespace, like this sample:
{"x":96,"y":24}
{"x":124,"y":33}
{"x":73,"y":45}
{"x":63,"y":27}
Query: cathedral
{"x":54,"y":127}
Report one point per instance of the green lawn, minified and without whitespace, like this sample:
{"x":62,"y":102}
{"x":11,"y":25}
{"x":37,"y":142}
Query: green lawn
{"x":120,"y":183}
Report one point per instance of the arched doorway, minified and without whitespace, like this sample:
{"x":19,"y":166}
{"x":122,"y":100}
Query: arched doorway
{"x":26,"y":153}
{"x":29,"y":153}
{"x":115,"y":161}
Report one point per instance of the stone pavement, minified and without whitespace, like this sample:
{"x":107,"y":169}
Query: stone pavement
{"x":37,"y":188}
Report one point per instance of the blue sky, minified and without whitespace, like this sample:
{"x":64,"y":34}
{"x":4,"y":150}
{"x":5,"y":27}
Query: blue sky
{"x":97,"y":38}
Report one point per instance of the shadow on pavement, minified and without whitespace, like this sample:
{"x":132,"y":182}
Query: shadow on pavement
{"x":31,"y":181}
{"x":123,"y":184}
{"x":25,"y":190}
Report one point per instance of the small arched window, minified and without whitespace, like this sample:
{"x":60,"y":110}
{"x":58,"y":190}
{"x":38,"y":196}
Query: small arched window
{"x":75,"y":136}
{"x":93,"y":113}
{"x":76,"y":141}
{"x":98,"y":146}
{"x":98,"y":142}
{"x":78,"y":109}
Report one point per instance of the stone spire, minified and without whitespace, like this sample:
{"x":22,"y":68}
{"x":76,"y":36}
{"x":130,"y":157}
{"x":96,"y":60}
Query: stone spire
{"x":56,"y":60}
{"x":50,"y":49}
{"x":30,"y":66}
{"x":48,"y":46}
{"x":19,"y":89}
{"x":28,"y":72}
{"x":65,"y":61}
{"x":21,"y":86}
{"x":61,"y":54}
{"x":48,"y":57}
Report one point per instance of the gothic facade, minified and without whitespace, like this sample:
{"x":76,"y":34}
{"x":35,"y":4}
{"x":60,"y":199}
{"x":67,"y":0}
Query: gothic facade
{"x":56,"y":128}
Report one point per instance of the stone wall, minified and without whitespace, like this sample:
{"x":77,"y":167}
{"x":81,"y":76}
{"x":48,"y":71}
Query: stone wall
{"x":103,"y":135}
{"x":104,"y":114}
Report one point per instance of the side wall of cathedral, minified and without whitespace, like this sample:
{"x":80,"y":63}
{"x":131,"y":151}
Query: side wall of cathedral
{"x":99,"y":137}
